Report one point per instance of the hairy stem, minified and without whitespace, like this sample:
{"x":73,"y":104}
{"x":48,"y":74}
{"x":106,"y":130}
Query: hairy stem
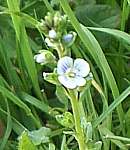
{"x":76,"y":113}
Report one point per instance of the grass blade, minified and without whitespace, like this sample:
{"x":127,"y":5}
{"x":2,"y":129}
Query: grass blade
{"x":14,"y":99}
{"x":35,"y":102}
{"x":120,"y":99}
{"x":117,"y":33}
{"x":24,"y":45}
{"x":9,"y":125}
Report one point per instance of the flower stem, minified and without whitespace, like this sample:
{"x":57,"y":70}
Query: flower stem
{"x":76,"y":113}
{"x":60,"y":50}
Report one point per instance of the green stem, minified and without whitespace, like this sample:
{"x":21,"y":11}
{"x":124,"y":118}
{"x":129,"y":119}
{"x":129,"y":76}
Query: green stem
{"x":125,"y":139}
{"x":60,"y":50}
{"x":48,"y":6}
{"x":76,"y":113}
{"x":125,"y":13}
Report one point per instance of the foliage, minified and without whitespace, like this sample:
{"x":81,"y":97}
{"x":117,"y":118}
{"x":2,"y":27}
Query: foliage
{"x":36,"y":111}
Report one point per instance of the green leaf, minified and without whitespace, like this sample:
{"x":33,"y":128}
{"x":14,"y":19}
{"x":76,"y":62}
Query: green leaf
{"x":94,"y":146}
{"x":111,"y":107}
{"x":51,"y":77}
{"x":98,"y":15}
{"x":9,"y":124}
{"x":104,"y":131}
{"x":64,"y":144}
{"x":117,"y":33}
{"x":61,"y":94}
{"x":40,"y":136}
{"x":8,"y":67}
{"x":83,"y":2}
{"x":15,"y":99}
{"x":24,"y":45}
{"x":41,"y":105}
{"x":128,"y":2}
{"x":25,"y":142}
{"x":127,"y":119}
{"x":17,"y":126}
{"x":51,"y":146}
{"x":66,"y":119}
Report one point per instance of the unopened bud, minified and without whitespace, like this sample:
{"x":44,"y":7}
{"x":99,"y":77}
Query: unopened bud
{"x":39,"y":58}
{"x":45,"y":57}
{"x":68,"y":38}
{"x":52,"y":34}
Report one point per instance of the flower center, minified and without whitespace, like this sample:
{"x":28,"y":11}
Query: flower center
{"x":70,"y":72}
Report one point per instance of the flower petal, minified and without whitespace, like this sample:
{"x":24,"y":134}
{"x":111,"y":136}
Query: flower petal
{"x":40,"y":58}
{"x":64,"y":64}
{"x":52,"y":34}
{"x":79,"y":81}
{"x":81,"y":67}
{"x":67,"y":82}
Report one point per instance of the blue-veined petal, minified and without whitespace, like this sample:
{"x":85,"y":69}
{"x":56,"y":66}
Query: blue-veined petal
{"x":67,"y":82}
{"x":64,"y":64}
{"x":81,"y":67}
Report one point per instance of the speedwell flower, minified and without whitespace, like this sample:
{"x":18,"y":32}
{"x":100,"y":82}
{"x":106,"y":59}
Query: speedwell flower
{"x":72,"y":73}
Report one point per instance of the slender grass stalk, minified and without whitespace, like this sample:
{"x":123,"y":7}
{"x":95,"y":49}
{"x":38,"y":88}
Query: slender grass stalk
{"x":111,"y":107}
{"x":111,"y":2}
{"x":76,"y":113}
{"x":48,"y":6}
{"x":118,"y":138}
{"x":125,"y":13}
{"x":9,"y":123}
{"x":24,"y":45}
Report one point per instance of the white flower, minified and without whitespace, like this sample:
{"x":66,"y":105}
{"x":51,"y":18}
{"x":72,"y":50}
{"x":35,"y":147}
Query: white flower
{"x":40,"y":58}
{"x":52,"y":34}
{"x":72,"y":72}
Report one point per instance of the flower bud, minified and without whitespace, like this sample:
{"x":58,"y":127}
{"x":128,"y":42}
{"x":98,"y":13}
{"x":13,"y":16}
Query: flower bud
{"x":69,"y":39}
{"x":44,"y":57}
{"x":52,"y":34}
{"x":48,"y":19}
{"x":42,"y":26}
{"x":39,"y":58}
